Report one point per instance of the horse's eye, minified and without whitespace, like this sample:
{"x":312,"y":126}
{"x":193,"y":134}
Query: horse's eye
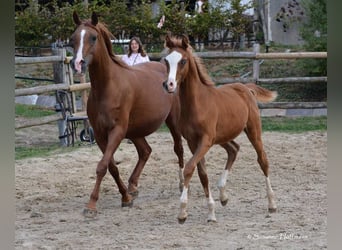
{"x":93,"y":39}
{"x":183,"y":61}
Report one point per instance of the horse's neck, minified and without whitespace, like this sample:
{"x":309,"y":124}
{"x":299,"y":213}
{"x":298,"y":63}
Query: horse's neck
{"x":191,"y":87}
{"x":101,"y":70}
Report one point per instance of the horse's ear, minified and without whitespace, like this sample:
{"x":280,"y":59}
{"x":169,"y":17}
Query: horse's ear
{"x":94,"y":19}
{"x":76,"y":18}
{"x":168,"y":40}
{"x":185,"y":42}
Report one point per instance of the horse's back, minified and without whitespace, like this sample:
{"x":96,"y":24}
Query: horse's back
{"x":152,"y":66}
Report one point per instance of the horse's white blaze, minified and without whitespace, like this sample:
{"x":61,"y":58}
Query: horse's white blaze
{"x":270,"y":194}
{"x":79,"y":55}
{"x":173,"y":59}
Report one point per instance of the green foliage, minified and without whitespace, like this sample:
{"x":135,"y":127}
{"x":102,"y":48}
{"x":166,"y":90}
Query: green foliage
{"x":223,"y":21}
{"x":175,"y":20}
{"x":30,"y":26}
{"x":314,"y":32}
{"x":44,"y":24}
{"x":299,"y":92}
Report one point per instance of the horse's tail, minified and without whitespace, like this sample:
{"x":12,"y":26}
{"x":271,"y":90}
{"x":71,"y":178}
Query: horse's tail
{"x":262,"y":94}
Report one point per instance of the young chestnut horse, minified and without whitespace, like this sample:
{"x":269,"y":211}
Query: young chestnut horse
{"x":124,"y":102}
{"x":213,"y":115}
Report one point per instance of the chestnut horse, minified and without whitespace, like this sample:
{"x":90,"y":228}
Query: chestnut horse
{"x":124,"y":102}
{"x":213,"y":115}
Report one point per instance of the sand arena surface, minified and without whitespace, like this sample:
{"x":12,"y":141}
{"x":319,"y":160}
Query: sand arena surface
{"x":52,"y":191}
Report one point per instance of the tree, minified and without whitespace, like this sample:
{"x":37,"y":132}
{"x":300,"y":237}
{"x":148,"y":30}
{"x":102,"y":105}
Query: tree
{"x":314,"y":32}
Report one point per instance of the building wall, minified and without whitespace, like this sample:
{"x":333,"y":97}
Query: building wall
{"x":278,"y":35}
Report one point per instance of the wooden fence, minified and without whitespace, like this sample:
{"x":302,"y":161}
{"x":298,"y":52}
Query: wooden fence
{"x":67,"y":82}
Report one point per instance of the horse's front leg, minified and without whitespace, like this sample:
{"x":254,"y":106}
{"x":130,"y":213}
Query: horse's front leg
{"x":172,"y":122}
{"x":108,"y":147}
{"x":144,"y":150}
{"x":202,"y":173}
{"x":199,"y":149}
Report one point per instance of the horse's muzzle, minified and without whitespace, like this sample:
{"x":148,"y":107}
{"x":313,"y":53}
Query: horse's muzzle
{"x":169,"y":86}
{"x":80,"y":68}
{"x":165,"y":86}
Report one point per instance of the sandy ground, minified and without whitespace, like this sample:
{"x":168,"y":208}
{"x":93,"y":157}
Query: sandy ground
{"x":51,"y":193}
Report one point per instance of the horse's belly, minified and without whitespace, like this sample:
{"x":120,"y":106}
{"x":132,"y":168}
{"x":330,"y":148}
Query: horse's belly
{"x":142,"y":124}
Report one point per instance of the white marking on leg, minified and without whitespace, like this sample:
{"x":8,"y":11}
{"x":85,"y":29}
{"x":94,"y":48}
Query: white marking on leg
{"x":184,"y":196}
{"x":183,"y":204}
{"x":270,"y":195}
{"x":223,"y":179}
{"x":221,"y":184}
{"x":211,"y":207}
{"x":79,"y":56}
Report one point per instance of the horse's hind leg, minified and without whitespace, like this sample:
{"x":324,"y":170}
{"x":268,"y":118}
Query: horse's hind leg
{"x":232,"y":149}
{"x":173,"y":125}
{"x":253,"y":132}
{"x":144,"y":150}
{"x":127,"y":200}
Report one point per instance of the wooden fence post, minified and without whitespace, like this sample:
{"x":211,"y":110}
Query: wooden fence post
{"x":59,"y":74}
{"x":256,"y":66}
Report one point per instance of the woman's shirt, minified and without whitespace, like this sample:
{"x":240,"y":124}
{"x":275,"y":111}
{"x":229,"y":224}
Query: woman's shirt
{"x":135,"y":58}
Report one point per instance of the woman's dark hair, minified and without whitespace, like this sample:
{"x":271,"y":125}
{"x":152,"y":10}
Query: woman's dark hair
{"x":140,"y":50}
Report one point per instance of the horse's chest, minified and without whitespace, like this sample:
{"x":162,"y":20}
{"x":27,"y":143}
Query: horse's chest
{"x":191,"y":127}
{"x":101,"y":118}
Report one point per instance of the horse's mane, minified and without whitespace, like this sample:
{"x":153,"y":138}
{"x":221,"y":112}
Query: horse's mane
{"x":102,"y":29}
{"x":202,"y":70}
{"x":197,"y":61}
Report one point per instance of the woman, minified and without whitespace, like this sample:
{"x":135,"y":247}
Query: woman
{"x":136,"y":53}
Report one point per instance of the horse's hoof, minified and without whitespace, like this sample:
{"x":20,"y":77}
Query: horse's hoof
{"x":127,"y":204}
{"x":223,"y":203}
{"x":89,"y":213}
{"x":211,"y":220}
{"x":181,"y":220}
{"x":272,"y":210}
{"x":134,"y":194}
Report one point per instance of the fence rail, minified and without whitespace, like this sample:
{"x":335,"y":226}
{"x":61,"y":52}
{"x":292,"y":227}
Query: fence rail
{"x":68,"y":84}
